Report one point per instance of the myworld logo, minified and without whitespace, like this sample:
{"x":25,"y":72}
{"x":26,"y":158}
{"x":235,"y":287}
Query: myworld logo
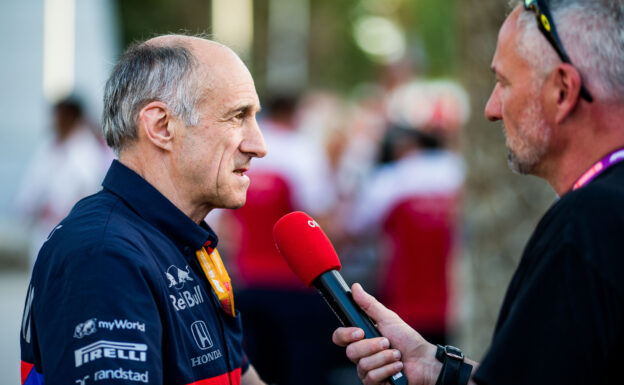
{"x":85,"y":328}
{"x":122,"y":324}
{"x":92,"y":325}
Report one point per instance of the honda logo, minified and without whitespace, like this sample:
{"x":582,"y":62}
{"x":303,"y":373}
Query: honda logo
{"x":201,"y":335}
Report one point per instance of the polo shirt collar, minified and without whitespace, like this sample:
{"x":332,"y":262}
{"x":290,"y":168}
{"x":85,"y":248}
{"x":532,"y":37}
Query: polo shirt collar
{"x":156,"y":209}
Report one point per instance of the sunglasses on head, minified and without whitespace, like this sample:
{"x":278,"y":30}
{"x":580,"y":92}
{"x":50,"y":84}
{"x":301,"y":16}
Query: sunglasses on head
{"x":547,"y":26}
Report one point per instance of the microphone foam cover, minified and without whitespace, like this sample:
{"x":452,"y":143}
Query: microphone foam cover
{"x":304,"y":246}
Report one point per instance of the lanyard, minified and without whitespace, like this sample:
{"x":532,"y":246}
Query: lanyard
{"x":598,"y":168}
{"x":213,"y":267}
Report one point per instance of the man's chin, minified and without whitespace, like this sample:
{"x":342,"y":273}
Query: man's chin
{"x":235,"y":204}
{"x":517,"y":165}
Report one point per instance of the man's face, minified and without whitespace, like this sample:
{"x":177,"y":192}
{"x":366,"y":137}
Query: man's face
{"x":516,"y":100}
{"x":213,"y":156}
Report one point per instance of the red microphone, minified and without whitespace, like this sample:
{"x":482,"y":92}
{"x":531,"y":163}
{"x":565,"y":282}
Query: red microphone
{"x":311,"y":256}
{"x":305,"y":247}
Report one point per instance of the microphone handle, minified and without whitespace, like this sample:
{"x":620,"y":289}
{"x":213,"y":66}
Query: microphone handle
{"x":338,"y":296}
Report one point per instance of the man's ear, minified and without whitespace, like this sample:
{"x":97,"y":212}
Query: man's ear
{"x":566,"y":90}
{"x":156,"y":123}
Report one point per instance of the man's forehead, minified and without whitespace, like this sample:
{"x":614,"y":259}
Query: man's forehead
{"x":210,"y":51}
{"x":510,"y":25}
{"x":506,"y":35}
{"x":221,"y":64}
{"x":231,"y":91}
{"x":242,"y":98}
{"x":222,"y":73}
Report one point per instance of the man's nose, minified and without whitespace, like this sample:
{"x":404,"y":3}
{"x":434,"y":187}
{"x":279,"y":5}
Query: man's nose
{"x":493,"y":106}
{"x":254,"y":143}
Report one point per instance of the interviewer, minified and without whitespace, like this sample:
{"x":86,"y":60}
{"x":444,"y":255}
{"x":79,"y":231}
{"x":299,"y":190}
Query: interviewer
{"x":560,"y":94}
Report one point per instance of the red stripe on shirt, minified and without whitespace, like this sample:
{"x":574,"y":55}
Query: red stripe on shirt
{"x":26,"y":368}
{"x":223,"y":379}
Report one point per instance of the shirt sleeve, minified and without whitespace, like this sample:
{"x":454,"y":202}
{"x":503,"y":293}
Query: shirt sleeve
{"x":560,"y":328}
{"x":96,"y":318}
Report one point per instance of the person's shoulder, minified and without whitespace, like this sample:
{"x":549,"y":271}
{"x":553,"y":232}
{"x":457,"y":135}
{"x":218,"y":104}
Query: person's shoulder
{"x":101,"y":215}
{"x":597,"y":203}
{"x":591,"y":222}
{"x":98,"y":224}
{"x":92,"y":252}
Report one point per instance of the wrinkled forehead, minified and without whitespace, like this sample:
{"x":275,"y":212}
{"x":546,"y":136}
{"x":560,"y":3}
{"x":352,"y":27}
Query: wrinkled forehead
{"x":226,"y":83}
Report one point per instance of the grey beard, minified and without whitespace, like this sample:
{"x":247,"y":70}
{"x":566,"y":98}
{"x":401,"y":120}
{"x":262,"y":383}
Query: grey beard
{"x":518,"y":166}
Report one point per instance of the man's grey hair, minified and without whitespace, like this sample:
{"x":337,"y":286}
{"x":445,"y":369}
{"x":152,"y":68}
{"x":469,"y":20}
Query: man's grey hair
{"x":592,"y":33}
{"x":145,"y":73}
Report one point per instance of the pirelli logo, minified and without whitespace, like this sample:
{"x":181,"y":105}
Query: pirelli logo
{"x":110,"y":349}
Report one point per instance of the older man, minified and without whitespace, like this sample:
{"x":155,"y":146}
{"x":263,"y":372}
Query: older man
{"x":130,"y":288}
{"x":562,"y":320}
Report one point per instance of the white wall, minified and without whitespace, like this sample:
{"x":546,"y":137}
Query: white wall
{"x":22,"y":106}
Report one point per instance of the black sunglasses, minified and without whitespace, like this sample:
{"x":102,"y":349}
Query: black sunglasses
{"x":547,"y":26}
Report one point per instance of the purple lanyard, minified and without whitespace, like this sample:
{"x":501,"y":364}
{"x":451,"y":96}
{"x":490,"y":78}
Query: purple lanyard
{"x":615,"y":157}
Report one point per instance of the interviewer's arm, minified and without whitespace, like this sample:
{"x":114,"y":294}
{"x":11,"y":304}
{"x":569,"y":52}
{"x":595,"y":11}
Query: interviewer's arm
{"x":375,"y":361}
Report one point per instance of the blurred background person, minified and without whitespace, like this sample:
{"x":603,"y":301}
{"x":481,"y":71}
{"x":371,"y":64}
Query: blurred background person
{"x":294,"y":175}
{"x":68,"y":166}
{"x":410,"y":205}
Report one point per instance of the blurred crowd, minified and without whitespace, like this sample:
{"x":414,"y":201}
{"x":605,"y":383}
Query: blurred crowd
{"x":380,"y":171}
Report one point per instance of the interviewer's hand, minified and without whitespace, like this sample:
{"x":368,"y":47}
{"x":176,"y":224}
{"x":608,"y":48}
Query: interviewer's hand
{"x":375,"y":360}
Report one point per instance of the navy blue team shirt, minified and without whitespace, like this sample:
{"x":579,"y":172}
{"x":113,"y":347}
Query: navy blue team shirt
{"x":118,"y":296}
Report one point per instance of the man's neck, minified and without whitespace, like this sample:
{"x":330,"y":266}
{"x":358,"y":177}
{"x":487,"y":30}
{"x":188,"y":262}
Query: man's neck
{"x":587,"y":143}
{"x":154,"y":170}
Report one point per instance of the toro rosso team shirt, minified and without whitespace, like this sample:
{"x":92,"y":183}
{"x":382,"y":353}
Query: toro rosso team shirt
{"x":118,"y":297}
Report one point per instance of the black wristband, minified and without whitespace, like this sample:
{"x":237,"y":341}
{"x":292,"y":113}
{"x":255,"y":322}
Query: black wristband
{"x":454,"y":370}
{"x":464,"y":373}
